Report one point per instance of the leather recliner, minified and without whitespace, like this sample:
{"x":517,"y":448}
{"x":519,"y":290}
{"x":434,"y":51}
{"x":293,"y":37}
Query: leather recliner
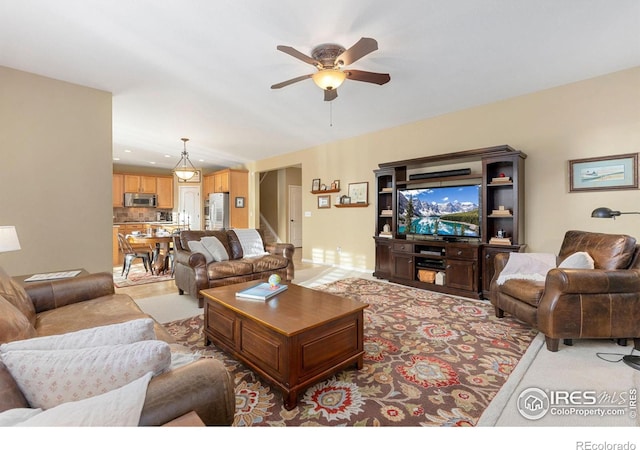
{"x":603,"y":302}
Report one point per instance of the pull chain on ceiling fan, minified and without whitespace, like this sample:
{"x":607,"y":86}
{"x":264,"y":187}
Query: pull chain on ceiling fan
{"x":330,"y":59}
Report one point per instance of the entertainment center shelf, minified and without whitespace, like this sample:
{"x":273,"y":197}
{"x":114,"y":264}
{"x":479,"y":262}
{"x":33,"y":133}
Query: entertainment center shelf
{"x":448,"y":247}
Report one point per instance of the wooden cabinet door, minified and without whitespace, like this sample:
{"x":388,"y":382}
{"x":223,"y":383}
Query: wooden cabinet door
{"x":164,"y":189}
{"x":132,"y":183}
{"x":383,"y":259}
{"x":117,"y":188}
{"x":403,"y":266}
{"x":148,"y":185}
{"x":461,"y":274}
{"x":208,"y":185}
{"x":222,"y":181}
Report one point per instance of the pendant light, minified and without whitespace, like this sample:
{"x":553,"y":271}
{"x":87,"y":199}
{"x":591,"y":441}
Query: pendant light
{"x":184,"y":169}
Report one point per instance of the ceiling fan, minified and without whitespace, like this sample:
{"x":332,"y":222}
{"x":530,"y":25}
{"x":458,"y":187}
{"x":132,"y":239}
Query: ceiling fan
{"x":330,"y":59}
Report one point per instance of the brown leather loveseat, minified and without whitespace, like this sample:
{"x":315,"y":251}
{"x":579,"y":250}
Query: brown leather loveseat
{"x":603,"y":302}
{"x":193,"y":273}
{"x":62,"y":306}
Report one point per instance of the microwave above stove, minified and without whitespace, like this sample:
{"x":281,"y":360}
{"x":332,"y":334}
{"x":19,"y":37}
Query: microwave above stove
{"x":137,"y":200}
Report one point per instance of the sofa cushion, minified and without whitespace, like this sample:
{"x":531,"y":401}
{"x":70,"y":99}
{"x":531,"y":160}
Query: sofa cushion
{"x":48,"y":378}
{"x":527,"y":291}
{"x":105,"y":310}
{"x":215,"y":247}
{"x":609,"y":251}
{"x":13,"y":291}
{"x":231,"y":268}
{"x":119,"y":333}
{"x":267,"y":263}
{"x":13,"y":324}
{"x":198,"y":247}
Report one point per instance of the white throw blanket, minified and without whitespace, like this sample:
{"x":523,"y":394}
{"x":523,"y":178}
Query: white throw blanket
{"x":527,"y":266}
{"x":251,"y":242}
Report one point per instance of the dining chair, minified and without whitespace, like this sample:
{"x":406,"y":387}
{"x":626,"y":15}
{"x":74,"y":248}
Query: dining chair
{"x":131,"y":254}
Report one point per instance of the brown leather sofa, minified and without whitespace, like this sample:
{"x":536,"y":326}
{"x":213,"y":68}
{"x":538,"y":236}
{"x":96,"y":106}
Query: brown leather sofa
{"x":62,"y":306}
{"x":192,"y":273}
{"x":603,"y":302}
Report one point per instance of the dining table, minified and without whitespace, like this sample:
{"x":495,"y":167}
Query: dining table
{"x":161,"y":246}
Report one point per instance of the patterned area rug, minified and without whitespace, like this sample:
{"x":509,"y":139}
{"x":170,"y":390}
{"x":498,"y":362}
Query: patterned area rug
{"x":430,"y":360}
{"x":137,"y":275}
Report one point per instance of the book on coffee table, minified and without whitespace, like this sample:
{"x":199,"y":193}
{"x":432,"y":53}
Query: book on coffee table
{"x":262,"y":291}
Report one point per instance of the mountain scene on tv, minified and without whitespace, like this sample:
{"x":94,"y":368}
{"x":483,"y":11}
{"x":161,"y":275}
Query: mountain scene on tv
{"x":444,"y":211}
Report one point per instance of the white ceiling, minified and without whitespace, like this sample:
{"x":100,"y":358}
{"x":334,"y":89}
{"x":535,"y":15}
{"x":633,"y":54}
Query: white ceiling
{"x":202,"y":69}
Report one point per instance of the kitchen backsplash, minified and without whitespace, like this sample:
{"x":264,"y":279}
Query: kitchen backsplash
{"x":121,"y":215}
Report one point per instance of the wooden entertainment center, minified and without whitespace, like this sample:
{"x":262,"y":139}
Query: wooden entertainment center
{"x":462,"y":265}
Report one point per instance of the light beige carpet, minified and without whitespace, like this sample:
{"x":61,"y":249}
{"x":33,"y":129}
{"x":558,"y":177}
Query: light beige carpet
{"x":602,"y":387}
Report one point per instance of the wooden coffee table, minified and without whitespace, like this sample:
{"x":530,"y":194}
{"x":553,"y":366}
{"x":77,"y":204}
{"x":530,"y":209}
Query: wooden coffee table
{"x":293,"y":340}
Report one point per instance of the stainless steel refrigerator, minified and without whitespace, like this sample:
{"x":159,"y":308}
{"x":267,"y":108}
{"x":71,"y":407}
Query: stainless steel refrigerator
{"x":219,"y":211}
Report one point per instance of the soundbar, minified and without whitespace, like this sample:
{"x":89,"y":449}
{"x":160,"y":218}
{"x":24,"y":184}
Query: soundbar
{"x":439,"y":174}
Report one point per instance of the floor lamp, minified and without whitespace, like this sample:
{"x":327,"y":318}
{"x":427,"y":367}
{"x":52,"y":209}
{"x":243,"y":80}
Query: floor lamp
{"x":606,"y":213}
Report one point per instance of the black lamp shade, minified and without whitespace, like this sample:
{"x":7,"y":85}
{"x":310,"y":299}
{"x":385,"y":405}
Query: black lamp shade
{"x":604,"y":213}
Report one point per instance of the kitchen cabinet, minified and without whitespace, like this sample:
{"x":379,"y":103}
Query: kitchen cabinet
{"x":117,"y":188}
{"x":140,"y":183}
{"x":164,"y":190}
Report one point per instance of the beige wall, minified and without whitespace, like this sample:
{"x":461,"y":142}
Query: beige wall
{"x":591,"y":118}
{"x":55,"y":174}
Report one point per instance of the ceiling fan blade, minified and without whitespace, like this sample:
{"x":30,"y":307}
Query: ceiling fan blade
{"x":330,"y":94}
{"x":291,"y":81}
{"x":361,"y":48}
{"x":296,"y":54}
{"x":368,"y":77}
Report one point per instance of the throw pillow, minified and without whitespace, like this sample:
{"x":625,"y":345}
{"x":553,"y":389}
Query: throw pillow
{"x":215,"y":247}
{"x":13,"y":291}
{"x":577,"y":260}
{"x":48,"y":378}
{"x":120,"y":407}
{"x":119,"y":333}
{"x":198,"y":247}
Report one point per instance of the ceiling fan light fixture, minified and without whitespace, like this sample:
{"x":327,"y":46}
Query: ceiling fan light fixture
{"x":329,"y":79}
{"x":184,"y":169}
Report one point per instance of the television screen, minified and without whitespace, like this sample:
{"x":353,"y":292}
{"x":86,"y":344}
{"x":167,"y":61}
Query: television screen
{"x":440,"y":211}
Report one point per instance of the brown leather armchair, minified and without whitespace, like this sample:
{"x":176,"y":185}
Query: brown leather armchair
{"x":603,"y":302}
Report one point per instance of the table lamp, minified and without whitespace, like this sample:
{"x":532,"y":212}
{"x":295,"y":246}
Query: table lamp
{"x":8,"y":239}
{"x":606,"y":213}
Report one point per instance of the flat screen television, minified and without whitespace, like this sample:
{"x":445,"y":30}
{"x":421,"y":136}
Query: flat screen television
{"x":449,"y":212}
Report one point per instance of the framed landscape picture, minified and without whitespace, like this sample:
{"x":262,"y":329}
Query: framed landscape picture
{"x":604,"y":173}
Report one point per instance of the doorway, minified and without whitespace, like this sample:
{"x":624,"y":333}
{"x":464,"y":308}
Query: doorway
{"x":189,"y":207}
